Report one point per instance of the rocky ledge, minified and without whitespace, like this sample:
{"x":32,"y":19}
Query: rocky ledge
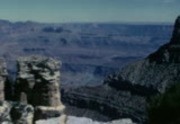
{"x":126,"y":93}
{"x":36,"y":92}
{"x":83,"y":120}
{"x":107,"y":101}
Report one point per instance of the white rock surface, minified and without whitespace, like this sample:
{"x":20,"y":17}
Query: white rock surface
{"x":83,"y":120}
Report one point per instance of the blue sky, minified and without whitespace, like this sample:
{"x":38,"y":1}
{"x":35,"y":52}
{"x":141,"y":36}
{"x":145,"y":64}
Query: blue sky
{"x":90,"y":10}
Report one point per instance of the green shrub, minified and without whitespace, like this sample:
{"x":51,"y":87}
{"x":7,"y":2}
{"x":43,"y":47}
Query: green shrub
{"x":165,"y":108}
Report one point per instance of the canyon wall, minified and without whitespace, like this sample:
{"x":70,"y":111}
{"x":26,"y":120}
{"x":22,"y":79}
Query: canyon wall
{"x":126,"y":93}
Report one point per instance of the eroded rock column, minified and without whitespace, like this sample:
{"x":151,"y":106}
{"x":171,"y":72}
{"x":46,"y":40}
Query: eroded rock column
{"x":38,"y":84}
{"x":4,"y":106}
{"x":12,"y":112}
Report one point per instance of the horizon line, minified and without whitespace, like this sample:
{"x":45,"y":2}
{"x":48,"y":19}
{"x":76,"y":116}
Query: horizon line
{"x":89,"y":22}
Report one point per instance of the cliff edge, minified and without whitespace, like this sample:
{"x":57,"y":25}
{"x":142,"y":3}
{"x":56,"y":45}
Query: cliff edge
{"x":159,"y":70}
{"x":125,"y":94}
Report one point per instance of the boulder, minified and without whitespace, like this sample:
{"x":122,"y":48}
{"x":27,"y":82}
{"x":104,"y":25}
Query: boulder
{"x":16,"y":113}
{"x":21,"y":113}
{"x":44,"y":112}
{"x":5,"y":109}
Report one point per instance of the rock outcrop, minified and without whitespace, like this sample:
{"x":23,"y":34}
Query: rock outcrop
{"x":16,"y":113}
{"x":107,"y":101}
{"x":12,"y":112}
{"x":134,"y":84}
{"x":38,"y":81}
{"x":38,"y":84}
{"x":170,"y":52}
{"x":3,"y":78}
{"x":159,"y":70}
{"x":21,"y":113}
{"x":36,"y":91}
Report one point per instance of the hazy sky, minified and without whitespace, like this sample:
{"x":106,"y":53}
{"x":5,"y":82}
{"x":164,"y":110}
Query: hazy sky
{"x":90,"y":10}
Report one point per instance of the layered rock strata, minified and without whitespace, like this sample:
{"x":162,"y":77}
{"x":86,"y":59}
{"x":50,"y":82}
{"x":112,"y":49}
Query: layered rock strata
{"x":129,"y":90}
{"x":12,"y":112}
{"x":3,"y":78}
{"x":107,"y":101}
{"x":159,"y":70}
{"x":38,"y":84}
